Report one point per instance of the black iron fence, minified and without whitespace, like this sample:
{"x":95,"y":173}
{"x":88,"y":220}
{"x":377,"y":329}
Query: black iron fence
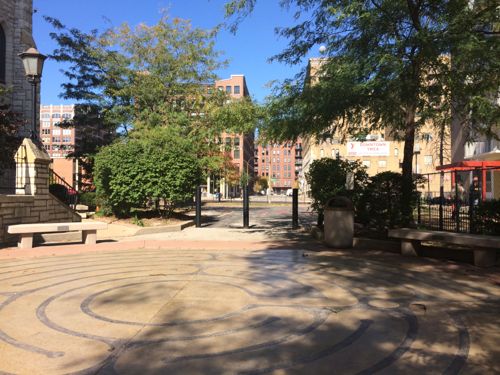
{"x":13,"y":176}
{"x":464,"y":200}
{"x":62,"y":190}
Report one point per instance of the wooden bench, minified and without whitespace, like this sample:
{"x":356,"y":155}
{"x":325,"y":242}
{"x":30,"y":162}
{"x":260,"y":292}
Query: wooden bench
{"x":26,"y":231}
{"x":484,"y":247}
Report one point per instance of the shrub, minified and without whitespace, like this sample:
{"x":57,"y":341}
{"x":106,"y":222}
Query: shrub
{"x":327,"y":178}
{"x":60,"y":192}
{"x":380,"y":204}
{"x":486,"y":218}
{"x":160,"y":168}
{"x":88,"y":198}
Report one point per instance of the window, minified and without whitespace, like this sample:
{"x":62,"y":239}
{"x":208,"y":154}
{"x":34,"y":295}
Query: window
{"x":66,"y":139}
{"x":3,"y":55}
{"x":382,"y":163}
{"x":321,"y":152}
{"x":45,"y":131}
{"x":428,"y":159}
{"x":66,"y":131}
{"x":220,"y":88}
{"x":236,"y":89}
{"x":66,"y":115}
{"x":56,"y":139}
{"x":45,"y":115}
{"x":56,"y":115}
{"x":396,"y":152}
{"x":45,"y":124}
{"x":237,"y":153}
{"x":56,"y":131}
{"x":228,"y":89}
{"x":237,"y":141}
{"x":366,"y":163}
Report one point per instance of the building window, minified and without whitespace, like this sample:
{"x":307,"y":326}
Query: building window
{"x":366,"y":163}
{"x":220,"y":88}
{"x":382,"y":163}
{"x":321,"y":152}
{"x":56,"y":139}
{"x":396,"y":152}
{"x":228,"y":89}
{"x":45,"y":115}
{"x":428,"y":159}
{"x":66,"y":131}
{"x":236,"y":141}
{"x":237,"y":153}
{"x":66,"y":115}
{"x":3,"y":55}
{"x":236,"y":89}
{"x":45,"y":131}
{"x":56,"y":115}
{"x":56,"y":131}
{"x":66,"y":139}
{"x":45,"y":124}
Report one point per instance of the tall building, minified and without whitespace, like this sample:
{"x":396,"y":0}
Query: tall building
{"x":59,"y":142}
{"x":280,"y":164}
{"x":377,"y":151}
{"x":239,"y":148}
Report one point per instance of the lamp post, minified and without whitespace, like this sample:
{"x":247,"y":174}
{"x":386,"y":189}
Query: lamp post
{"x":246,"y":197}
{"x":33,"y":66}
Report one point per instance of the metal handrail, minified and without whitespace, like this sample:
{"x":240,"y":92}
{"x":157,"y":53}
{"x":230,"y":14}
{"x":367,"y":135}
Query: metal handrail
{"x":69,"y":196}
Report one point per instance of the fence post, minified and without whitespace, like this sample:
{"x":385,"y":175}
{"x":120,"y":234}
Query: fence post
{"x":441,"y":197}
{"x":295,"y":208}
{"x":457,"y":206}
{"x":198,"y":207}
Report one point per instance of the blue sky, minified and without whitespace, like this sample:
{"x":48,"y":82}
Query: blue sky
{"x":248,"y":51}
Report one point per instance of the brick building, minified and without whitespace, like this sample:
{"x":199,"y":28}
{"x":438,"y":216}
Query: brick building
{"x":239,"y":147}
{"x":280,"y":164}
{"x":57,"y":141}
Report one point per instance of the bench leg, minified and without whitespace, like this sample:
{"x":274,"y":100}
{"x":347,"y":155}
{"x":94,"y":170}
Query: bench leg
{"x":25,"y":241}
{"x":485,"y":258}
{"x":410,"y":248}
{"x":89,"y":237}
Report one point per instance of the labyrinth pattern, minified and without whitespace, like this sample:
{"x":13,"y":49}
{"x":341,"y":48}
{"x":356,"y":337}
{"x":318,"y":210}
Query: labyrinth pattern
{"x":151,"y":311}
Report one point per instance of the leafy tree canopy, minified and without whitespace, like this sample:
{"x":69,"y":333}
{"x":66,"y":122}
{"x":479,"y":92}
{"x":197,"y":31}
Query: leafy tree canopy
{"x":386,"y":64}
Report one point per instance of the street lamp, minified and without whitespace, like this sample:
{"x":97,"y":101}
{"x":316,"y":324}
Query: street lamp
{"x":33,"y":66}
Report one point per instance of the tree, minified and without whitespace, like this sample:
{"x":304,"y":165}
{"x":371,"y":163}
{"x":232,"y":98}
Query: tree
{"x":387,"y":64}
{"x":327,"y":178}
{"x":260,"y":184}
{"x":159,"y":169}
{"x":9,"y":141}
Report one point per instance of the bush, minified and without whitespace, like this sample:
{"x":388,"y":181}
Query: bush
{"x":486,"y":218}
{"x":380,"y":204}
{"x":327,"y":178}
{"x":60,"y":192}
{"x":88,"y":199}
{"x":160,"y":168}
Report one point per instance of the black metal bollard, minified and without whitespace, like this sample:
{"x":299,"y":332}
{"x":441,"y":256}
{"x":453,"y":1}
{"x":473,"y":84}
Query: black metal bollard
{"x":198,"y":207}
{"x":295,"y":208}
{"x":246,"y":208}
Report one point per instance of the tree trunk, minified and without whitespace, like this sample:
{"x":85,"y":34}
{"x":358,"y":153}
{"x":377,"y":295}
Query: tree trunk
{"x":407,"y":193}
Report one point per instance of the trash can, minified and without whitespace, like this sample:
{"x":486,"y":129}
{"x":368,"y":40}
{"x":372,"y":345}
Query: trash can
{"x":339,"y":222}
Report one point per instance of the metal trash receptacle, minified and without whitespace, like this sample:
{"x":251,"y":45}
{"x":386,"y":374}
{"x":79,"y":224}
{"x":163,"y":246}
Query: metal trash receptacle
{"x":339,"y":222}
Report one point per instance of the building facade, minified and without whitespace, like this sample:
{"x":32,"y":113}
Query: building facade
{"x":59,"y":142}
{"x":238,"y":148}
{"x":280,"y":164}
{"x":15,"y":38}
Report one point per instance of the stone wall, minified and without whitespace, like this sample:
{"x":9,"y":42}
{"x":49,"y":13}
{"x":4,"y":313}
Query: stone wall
{"x":16,"y":21}
{"x":33,"y":203}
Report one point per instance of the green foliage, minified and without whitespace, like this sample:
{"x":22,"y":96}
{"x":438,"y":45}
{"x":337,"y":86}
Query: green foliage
{"x":386,"y":65}
{"x":160,"y":169}
{"x":9,"y":123}
{"x":88,"y":198}
{"x":327,"y":178}
{"x":380,"y":203}
{"x":60,"y":192}
{"x":261,"y":184}
{"x":487,"y":217}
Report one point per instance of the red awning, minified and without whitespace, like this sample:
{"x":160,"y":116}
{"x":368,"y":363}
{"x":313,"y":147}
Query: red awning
{"x":469,"y":164}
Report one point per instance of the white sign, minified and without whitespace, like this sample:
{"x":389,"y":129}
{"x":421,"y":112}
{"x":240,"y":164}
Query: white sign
{"x":368,"y":148}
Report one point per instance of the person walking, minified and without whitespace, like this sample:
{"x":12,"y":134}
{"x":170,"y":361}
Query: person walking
{"x":474,"y":199}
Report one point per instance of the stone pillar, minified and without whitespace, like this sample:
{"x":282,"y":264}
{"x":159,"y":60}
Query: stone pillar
{"x":33,"y":171}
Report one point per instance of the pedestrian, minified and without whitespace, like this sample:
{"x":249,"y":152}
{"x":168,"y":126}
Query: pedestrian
{"x":459,"y":199}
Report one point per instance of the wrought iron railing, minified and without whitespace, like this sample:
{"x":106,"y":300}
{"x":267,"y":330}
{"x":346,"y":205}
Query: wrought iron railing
{"x":452,"y":201}
{"x":62,"y":190}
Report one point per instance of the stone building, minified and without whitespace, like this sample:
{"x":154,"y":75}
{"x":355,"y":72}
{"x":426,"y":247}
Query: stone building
{"x":15,"y":38}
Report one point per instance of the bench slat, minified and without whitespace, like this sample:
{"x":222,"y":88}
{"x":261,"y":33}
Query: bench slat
{"x":448,"y":237}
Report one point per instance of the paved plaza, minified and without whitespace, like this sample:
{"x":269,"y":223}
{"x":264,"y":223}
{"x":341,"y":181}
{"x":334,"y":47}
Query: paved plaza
{"x":158,"y":310}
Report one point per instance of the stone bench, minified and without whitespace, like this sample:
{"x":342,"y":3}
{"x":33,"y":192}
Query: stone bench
{"x":484,"y":247}
{"x":26,"y":231}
